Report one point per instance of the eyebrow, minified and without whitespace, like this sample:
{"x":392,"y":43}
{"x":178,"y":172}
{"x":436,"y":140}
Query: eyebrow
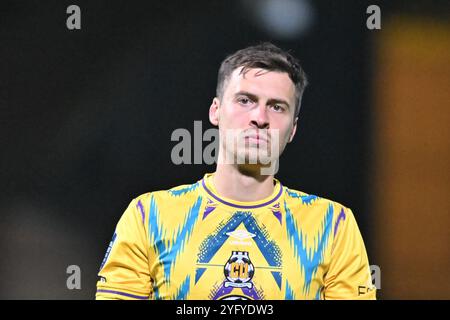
{"x":255,"y":97}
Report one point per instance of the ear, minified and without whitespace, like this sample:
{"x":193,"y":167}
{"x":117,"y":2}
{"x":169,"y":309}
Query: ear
{"x":294,"y":130}
{"x":214,"y":112}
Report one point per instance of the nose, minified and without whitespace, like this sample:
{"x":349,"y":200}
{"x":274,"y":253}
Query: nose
{"x":259,"y":118}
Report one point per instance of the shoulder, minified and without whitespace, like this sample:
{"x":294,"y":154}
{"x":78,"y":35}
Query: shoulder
{"x":179,"y":192}
{"x":302,"y":205}
{"x":315,"y":215}
{"x":311,"y":200}
{"x":176,"y":201}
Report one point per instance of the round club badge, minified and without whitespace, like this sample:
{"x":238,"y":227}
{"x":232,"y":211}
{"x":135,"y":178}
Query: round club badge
{"x":239,"y":270}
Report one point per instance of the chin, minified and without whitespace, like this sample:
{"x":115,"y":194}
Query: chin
{"x":253,"y":158}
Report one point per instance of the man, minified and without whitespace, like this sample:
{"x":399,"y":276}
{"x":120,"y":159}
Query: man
{"x":238,"y":233}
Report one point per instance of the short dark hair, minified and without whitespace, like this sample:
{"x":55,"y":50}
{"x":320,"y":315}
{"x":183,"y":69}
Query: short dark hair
{"x":265,"y":56}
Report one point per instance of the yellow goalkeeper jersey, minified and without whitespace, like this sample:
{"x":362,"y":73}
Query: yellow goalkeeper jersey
{"x":190,"y":243}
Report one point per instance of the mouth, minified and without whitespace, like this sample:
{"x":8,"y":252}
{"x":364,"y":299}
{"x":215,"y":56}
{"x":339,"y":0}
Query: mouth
{"x":258,"y":138}
{"x":255,"y":139}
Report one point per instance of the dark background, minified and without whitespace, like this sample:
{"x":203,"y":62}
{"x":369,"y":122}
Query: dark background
{"x":87,"y":115}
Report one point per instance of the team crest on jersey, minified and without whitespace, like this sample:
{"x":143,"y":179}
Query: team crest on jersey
{"x":239,"y":271}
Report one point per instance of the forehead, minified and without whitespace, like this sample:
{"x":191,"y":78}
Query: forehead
{"x":263,"y":83}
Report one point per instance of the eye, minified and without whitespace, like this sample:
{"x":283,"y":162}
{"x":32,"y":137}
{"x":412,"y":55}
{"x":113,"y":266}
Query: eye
{"x":278,"y":108}
{"x":244,"y":100}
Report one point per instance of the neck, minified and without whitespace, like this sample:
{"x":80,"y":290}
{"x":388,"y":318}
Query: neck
{"x":242,"y":183}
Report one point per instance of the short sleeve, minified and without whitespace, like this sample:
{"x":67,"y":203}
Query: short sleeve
{"x":348,"y":276}
{"x":124,"y":273}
